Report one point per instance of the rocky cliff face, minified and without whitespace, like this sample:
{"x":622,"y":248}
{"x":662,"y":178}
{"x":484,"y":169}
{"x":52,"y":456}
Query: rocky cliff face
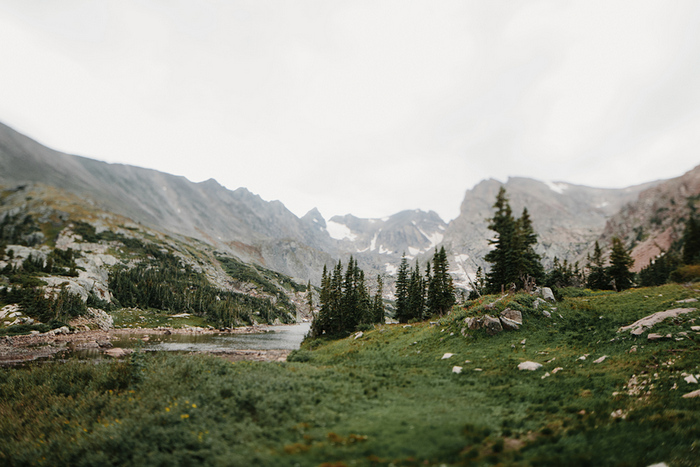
{"x":650,"y":224}
{"x":238,"y":222}
{"x":567,"y":218}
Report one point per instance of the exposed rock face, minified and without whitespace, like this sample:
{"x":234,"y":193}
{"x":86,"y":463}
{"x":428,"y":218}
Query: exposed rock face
{"x":567,"y":218}
{"x":640,"y":326}
{"x":492,"y":325}
{"x":653,"y":221}
{"x":234,"y":221}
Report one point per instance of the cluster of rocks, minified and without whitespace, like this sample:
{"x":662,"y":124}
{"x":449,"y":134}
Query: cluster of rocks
{"x":509,"y":320}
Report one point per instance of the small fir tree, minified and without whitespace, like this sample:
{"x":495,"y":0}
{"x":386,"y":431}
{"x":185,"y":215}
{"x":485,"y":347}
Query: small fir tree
{"x":597,"y":277}
{"x":620,"y":264}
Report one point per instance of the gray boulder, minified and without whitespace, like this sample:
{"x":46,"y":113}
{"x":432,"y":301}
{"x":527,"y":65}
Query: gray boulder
{"x":547,"y":294}
{"x":473,"y":323}
{"x":492,"y":325}
{"x":512,"y":315}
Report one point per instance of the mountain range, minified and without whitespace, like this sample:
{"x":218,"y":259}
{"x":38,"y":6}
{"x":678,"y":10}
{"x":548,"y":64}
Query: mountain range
{"x":568,"y":218}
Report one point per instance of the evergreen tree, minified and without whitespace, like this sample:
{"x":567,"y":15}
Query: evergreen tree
{"x":513,"y":258}
{"x":691,"y":241}
{"x":527,"y":262}
{"x":620,"y":264}
{"x":402,"y":278}
{"x":501,"y":256}
{"x":598,"y":276}
{"x":309,"y":297}
{"x":440,"y":286}
{"x":416,"y":295}
{"x":378,"y":305}
{"x":659,"y":270}
{"x":346,"y":302}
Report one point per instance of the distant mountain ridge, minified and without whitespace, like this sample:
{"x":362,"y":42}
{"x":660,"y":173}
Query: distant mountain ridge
{"x":568,"y":218}
{"x":652,"y":223}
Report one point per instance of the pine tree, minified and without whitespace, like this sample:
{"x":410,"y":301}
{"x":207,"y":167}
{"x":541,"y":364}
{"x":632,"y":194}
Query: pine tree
{"x":527,"y":262}
{"x":620,"y":264}
{"x":378,"y":305}
{"x":501,"y":257}
{"x":402,"y":279}
{"x":691,"y":241}
{"x":440,"y":286}
{"x":597,"y":277}
{"x":513,"y":258}
{"x":416,"y":295}
{"x":309,"y":297}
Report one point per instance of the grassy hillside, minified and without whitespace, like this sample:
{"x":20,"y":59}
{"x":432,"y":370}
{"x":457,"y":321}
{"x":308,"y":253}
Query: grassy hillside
{"x":52,"y":243}
{"x":386,"y":398}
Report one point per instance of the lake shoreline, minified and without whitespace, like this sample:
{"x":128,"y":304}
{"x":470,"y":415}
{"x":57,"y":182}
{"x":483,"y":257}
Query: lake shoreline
{"x":23,"y":348}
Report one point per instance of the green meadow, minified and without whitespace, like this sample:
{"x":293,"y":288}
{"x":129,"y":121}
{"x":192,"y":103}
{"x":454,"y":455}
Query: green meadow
{"x":389,"y":397}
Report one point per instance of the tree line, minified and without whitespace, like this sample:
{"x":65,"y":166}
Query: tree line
{"x":345,"y":302}
{"x":419,"y":295}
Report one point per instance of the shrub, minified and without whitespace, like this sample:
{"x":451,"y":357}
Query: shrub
{"x":688,"y":273}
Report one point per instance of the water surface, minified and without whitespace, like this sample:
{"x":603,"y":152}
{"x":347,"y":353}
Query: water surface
{"x":286,"y":337}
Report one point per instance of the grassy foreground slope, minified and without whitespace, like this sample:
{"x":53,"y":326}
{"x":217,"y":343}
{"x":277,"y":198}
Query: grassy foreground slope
{"x":388,"y":397}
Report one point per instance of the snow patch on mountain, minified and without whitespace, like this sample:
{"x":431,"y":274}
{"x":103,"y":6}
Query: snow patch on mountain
{"x":391,"y":269}
{"x":340,"y":231}
{"x":557,"y":187}
{"x":373,"y":243}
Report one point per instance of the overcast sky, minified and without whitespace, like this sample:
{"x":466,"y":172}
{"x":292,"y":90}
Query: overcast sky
{"x":362,"y":107}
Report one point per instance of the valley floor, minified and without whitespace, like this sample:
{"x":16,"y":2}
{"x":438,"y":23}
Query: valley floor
{"x":424,"y":394}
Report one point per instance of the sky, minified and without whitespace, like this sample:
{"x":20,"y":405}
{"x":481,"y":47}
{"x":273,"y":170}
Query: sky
{"x":362,"y":107}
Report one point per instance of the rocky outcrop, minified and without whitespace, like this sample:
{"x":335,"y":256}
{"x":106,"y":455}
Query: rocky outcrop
{"x":651,"y":223}
{"x":567,"y":218}
{"x":640,"y":326}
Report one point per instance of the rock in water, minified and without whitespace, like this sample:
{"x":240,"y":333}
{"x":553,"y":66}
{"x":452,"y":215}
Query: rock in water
{"x":492,"y":325}
{"x":531,"y":366}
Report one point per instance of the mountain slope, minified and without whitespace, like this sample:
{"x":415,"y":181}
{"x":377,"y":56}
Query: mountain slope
{"x":567,"y":218}
{"x":235,"y":221}
{"x":653,"y":222}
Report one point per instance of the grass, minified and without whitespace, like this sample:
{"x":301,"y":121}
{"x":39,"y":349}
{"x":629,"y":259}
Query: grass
{"x":386,"y":398}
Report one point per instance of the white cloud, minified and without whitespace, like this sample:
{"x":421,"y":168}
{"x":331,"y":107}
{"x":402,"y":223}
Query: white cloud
{"x":362,"y":107}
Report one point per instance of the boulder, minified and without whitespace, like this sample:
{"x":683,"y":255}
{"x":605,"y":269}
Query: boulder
{"x":513,"y":315}
{"x":447,"y":355}
{"x":639,"y":326}
{"x":546,"y":293}
{"x":473,"y":323}
{"x":530,"y":366}
{"x":538,"y":302}
{"x":509,"y":324}
{"x":456,"y":369}
{"x":692,"y":395}
{"x":654,"y":337}
{"x":492,"y":325}
{"x":601,"y":359}
{"x":117,"y":352}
